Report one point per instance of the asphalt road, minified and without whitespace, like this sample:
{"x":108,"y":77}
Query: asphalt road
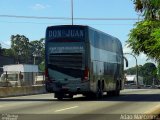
{"x":129,"y":105}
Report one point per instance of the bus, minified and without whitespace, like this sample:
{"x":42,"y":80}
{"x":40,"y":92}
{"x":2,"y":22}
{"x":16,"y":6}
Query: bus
{"x":82,"y":60}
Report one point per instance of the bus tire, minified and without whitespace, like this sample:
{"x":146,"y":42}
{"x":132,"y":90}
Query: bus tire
{"x":59,"y":96}
{"x":71,"y":96}
{"x":117,"y":91}
{"x":110,"y":93}
{"x":99,"y":92}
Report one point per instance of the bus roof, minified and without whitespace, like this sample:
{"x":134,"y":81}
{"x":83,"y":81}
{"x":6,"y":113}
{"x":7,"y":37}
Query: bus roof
{"x":85,"y":27}
{"x":81,"y":26}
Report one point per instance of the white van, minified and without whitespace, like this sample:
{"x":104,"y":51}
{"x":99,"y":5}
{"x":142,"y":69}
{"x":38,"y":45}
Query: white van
{"x":10,"y":79}
{"x":19,"y":74}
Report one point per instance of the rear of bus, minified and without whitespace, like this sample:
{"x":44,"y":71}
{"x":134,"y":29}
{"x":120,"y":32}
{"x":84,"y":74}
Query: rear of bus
{"x":66,"y":60}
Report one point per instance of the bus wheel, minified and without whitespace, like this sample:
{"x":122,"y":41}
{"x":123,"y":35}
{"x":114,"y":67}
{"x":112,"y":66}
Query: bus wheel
{"x":117,"y":91}
{"x":110,"y":93}
{"x":71,"y":96}
{"x":99,"y":92}
{"x":59,"y":96}
{"x":113,"y":93}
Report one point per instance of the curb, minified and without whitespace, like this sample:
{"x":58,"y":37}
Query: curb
{"x":19,"y":91}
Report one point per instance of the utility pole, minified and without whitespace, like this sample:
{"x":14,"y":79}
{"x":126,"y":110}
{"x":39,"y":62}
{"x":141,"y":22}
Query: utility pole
{"x":136,"y":68}
{"x":35,"y":54}
{"x":72,"y":10}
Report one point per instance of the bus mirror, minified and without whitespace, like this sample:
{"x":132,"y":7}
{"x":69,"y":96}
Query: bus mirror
{"x":126,"y":61}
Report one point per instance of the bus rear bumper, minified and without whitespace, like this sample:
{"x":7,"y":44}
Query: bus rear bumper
{"x":69,"y":88}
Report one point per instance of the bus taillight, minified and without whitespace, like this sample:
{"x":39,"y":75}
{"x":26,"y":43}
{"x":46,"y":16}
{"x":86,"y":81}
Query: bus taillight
{"x":47,"y":78}
{"x":86,"y":74}
{"x":46,"y":75}
{"x":46,"y":72}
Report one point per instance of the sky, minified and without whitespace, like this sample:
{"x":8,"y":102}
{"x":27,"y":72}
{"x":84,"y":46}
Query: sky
{"x":34,"y":29}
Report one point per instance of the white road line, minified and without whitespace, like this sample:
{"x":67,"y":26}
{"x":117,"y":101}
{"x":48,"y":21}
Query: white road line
{"x":66,"y":109}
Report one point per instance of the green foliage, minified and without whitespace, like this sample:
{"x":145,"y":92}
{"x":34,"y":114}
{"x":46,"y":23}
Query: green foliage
{"x":149,"y":8}
{"x":145,"y":38}
{"x":20,"y":47}
{"x":42,"y":66}
{"x":7,"y":52}
{"x":24,"y":51}
{"x":148,"y":71}
{"x":132,"y":71}
{"x":37,"y":49}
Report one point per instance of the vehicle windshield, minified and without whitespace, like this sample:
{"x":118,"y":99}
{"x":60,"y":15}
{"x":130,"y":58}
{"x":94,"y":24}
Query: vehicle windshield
{"x":66,"y":60}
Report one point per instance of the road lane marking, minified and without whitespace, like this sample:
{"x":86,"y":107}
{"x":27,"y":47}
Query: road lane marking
{"x":66,"y":109}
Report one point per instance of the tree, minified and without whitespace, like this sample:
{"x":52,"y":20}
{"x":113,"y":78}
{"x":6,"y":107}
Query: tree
{"x":133,"y":70}
{"x":7,"y":52}
{"x":37,"y":49}
{"x":20,"y":47}
{"x":148,"y":71}
{"x":42,"y":66}
{"x":144,"y":37}
{"x":149,"y":8}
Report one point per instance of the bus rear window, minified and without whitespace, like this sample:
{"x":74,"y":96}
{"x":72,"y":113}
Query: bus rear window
{"x":66,"y":60}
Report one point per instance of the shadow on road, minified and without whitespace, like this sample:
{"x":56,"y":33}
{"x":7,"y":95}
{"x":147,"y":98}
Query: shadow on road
{"x":127,"y":98}
{"x":123,"y":97}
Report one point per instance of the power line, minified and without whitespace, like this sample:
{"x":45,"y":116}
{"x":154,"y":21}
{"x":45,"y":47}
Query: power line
{"x":65,"y":18}
{"x":34,"y":17}
{"x":119,"y":24}
{"x":25,"y":22}
{"x":5,"y":44}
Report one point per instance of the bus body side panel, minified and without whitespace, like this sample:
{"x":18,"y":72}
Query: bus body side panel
{"x":103,"y":58}
{"x":105,"y":64}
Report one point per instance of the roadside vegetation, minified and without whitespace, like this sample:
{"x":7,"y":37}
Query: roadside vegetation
{"x":148,"y":71}
{"x":25,"y":51}
{"x":145,"y":36}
